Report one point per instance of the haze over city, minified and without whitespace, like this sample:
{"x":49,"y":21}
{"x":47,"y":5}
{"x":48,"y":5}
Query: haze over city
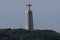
{"x":46,"y":14}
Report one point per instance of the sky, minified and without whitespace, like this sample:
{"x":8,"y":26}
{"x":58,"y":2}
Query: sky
{"x":46,"y":14}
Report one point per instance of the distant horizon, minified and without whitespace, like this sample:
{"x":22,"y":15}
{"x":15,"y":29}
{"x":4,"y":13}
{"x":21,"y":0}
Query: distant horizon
{"x":25,"y":29}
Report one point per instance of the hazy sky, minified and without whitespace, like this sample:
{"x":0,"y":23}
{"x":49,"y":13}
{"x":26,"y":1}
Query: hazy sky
{"x":46,"y":14}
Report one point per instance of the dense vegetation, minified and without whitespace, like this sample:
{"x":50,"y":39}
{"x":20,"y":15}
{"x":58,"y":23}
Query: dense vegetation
{"x":22,"y":34}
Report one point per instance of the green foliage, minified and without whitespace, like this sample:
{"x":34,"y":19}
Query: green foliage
{"x":22,"y":34}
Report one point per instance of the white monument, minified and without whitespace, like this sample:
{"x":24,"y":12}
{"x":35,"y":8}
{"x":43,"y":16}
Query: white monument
{"x":29,"y":18}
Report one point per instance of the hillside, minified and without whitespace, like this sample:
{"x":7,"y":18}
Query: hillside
{"x":22,"y":34}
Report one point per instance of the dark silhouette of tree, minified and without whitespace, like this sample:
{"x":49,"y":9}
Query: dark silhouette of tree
{"x":22,"y":34}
